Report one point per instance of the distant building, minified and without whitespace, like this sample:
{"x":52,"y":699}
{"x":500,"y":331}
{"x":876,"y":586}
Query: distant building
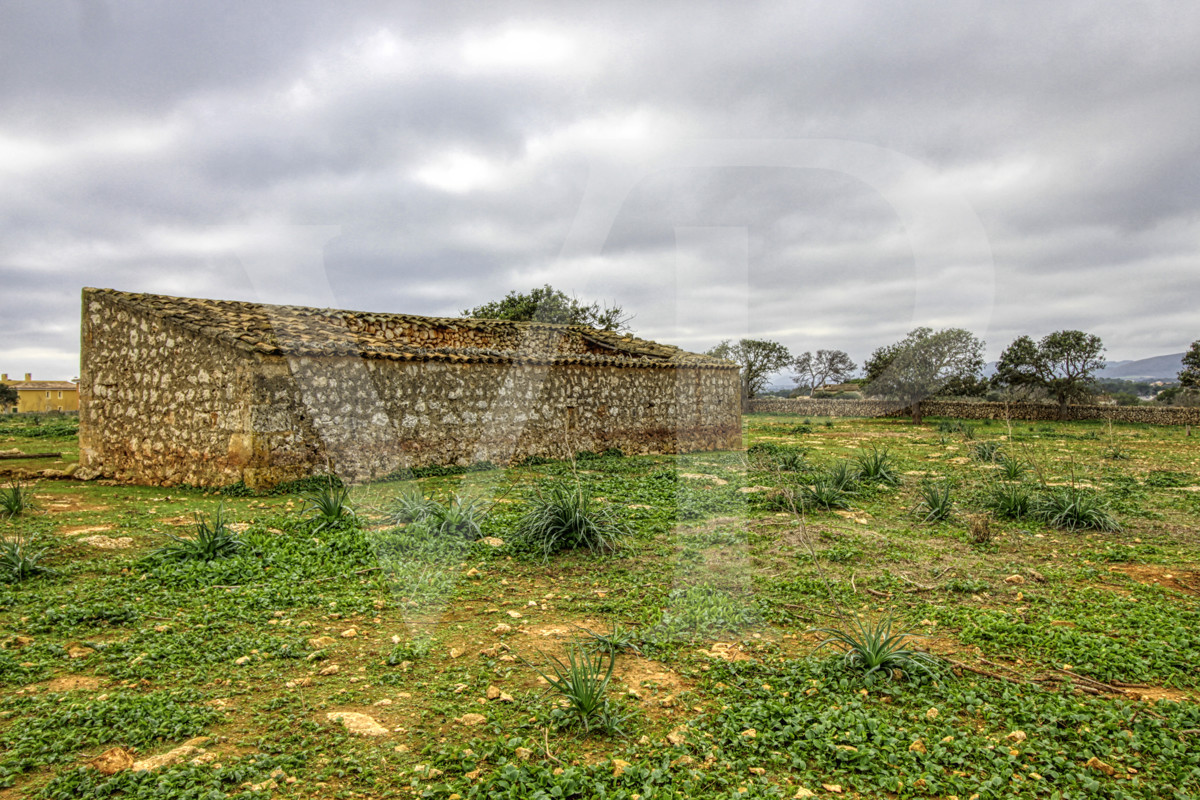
{"x":42,"y":396}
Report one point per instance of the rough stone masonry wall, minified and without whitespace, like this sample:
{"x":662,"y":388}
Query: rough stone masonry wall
{"x":968,"y":410}
{"x":367,"y":418}
{"x":158,"y":404}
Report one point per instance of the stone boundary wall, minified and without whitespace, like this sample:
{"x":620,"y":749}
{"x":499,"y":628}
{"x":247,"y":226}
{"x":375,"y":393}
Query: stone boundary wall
{"x":959,"y":409}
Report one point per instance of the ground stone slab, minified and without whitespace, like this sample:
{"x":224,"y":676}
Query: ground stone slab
{"x":358,"y":724}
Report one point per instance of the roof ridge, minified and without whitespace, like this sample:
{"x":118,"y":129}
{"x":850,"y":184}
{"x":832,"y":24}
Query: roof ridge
{"x":276,"y":329}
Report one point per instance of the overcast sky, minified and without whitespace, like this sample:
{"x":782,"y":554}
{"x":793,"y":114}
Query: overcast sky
{"x":829,"y":175}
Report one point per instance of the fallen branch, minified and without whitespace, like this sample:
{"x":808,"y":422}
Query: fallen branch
{"x":14,"y":456}
{"x":1092,"y":681}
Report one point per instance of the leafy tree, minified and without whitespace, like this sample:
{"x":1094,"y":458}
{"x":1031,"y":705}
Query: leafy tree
{"x":1189,"y":376}
{"x":820,"y":369}
{"x":8,"y":396}
{"x":548,"y":304}
{"x":922,"y":364}
{"x":759,"y":359}
{"x":1063,"y":363}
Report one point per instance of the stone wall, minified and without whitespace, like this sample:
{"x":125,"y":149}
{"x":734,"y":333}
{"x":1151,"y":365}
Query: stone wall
{"x":166,"y":404}
{"x":959,"y":409}
{"x":158,"y":404}
{"x":369,"y":418}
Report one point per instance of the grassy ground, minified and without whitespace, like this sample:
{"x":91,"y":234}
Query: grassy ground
{"x":1068,"y":657}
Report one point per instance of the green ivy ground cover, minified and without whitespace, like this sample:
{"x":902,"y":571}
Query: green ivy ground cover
{"x":717,"y":690}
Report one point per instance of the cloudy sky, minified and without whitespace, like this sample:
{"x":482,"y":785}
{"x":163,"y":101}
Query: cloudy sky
{"x":829,"y":175}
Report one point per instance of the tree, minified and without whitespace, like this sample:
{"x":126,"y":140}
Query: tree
{"x":8,"y":396}
{"x":921,"y":364}
{"x":1063,"y":363}
{"x":548,"y":304}
{"x":758,"y":358}
{"x":825,"y":366}
{"x":1189,"y":376}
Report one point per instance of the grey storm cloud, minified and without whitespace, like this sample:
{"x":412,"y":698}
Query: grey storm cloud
{"x":425,"y":158}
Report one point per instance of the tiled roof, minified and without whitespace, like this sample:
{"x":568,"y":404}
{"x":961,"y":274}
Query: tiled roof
{"x":303,"y":331}
{"x":42,"y":386}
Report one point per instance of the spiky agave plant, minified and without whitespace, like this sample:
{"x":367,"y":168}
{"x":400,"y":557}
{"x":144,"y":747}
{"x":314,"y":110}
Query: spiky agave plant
{"x":873,"y":648}
{"x":19,"y":557}
{"x":935,"y":502}
{"x":15,"y":499}
{"x":582,"y":680}
{"x":213,"y":539}
{"x":565,"y":516}
{"x":1071,"y":508}
{"x":329,"y":506}
{"x":876,"y":466}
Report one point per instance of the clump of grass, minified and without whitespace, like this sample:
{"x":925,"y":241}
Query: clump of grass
{"x":844,"y":475}
{"x":876,"y":466}
{"x":792,"y":460}
{"x":616,"y":642}
{"x":412,"y":650}
{"x":935,"y":503}
{"x":20,"y":557}
{"x":212,"y":540}
{"x":15,"y":500}
{"x":329,"y":506}
{"x":1011,"y":501}
{"x":1071,"y":508}
{"x":565,"y":516}
{"x":411,"y":506}
{"x":461,"y":517}
{"x":872,"y":648}
{"x":583,"y":680}
{"x":825,"y":492}
{"x":1116,"y":453}
{"x":988,"y":452}
{"x":967,"y":431}
{"x":1011,"y":469}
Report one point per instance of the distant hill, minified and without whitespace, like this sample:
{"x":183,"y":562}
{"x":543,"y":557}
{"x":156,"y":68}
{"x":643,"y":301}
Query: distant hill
{"x":1155,"y":368}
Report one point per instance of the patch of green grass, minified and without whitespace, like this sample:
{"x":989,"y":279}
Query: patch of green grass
{"x":55,"y":727}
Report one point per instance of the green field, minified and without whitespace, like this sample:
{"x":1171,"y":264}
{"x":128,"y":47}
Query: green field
{"x":1066,"y":657}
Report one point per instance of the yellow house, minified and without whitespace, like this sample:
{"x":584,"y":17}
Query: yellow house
{"x":43,"y":396}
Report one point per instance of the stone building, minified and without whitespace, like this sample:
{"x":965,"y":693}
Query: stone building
{"x":205,"y":392}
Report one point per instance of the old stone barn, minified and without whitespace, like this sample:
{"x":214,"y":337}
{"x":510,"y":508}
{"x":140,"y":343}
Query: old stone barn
{"x":205,"y":392}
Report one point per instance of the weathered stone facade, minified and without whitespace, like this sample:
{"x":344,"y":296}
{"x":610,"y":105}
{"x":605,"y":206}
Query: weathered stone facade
{"x":959,"y":409}
{"x":180,"y":390}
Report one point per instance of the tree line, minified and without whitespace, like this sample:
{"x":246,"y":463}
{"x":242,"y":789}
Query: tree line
{"x":1061,"y":367}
